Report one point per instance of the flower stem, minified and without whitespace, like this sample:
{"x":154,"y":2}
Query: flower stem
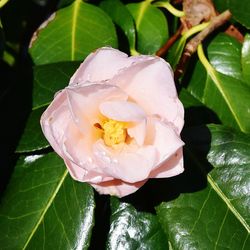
{"x":170,"y":8}
{"x":204,"y":60}
{"x":3,"y":2}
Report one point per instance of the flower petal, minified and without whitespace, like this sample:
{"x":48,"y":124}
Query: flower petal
{"x":104,"y":64}
{"x":150,"y":84}
{"x":166,"y":140}
{"x":122,"y":111}
{"x":78,"y":156}
{"x":130,"y":163}
{"x":54,"y":121}
{"x":100,"y":65}
{"x":81,"y":174}
{"x":117,"y":187}
{"x":172,"y":167}
{"x":138,"y":132}
{"x":84,"y":102}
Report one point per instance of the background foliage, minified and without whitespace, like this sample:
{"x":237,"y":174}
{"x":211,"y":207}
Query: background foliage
{"x":207,"y":207}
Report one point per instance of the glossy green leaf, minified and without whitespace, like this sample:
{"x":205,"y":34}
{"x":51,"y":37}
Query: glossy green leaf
{"x":72,"y":33}
{"x":196,"y":113}
{"x":44,"y":208}
{"x":188,"y":100}
{"x":50,"y":78}
{"x":245,"y":53}
{"x":175,"y":52}
{"x":227,"y":96}
{"x":217,"y":216}
{"x":224,"y":54}
{"x":130,"y":229}
{"x":122,"y":17}
{"x":151,"y":26}
{"x":32,"y":138}
{"x":240,"y":11}
{"x":220,"y":5}
{"x":229,"y":155}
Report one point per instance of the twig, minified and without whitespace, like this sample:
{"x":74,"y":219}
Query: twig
{"x":192,"y":45}
{"x":163,"y":50}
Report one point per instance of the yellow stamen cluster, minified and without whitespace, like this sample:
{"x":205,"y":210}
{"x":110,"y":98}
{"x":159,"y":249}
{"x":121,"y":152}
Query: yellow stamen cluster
{"x":114,"y":132}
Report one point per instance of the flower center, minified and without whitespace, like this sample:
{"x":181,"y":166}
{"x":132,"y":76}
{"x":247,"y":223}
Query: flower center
{"x":114,"y":132}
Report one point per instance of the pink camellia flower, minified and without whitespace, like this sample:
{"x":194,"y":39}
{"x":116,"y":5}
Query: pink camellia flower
{"x":118,"y":122}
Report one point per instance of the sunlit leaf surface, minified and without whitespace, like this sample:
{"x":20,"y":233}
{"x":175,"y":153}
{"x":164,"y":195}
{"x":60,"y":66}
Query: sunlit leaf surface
{"x":226,"y":95}
{"x":121,"y":16}
{"x":44,"y":208}
{"x":151,"y":26}
{"x":216,"y":217}
{"x":50,"y":78}
{"x":69,"y":35}
{"x":130,"y":229}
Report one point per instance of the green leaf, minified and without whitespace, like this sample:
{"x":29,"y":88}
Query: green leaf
{"x":151,"y":26}
{"x":229,"y":155}
{"x":72,"y":33}
{"x":50,"y":78}
{"x":32,"y":138}
{"x":196,"y":113}
{"x":224,"y":54}
{"x":220,"y":5}
{"x":227,"y":96}
{"x":240,"y":11}
{"x":216,"y":217}
{"x":188,"y":100}
{"x":175,"y":52}
{"x":44,"y":208}
{"x":245,"y":53}
{"x":122,"y":17}
{"x":134,"y":230}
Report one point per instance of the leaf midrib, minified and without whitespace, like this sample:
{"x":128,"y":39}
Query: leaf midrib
{"x":141,"y":12}
{"x":50,"y":201}
{"x":214,"y":77}
{"x":219,"y":192}
{"x":76,"y":7}
{"x":227,"y":201}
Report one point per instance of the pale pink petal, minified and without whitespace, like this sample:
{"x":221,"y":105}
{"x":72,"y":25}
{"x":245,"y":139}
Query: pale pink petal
{"x":100,"y":65}
{"x":166,"y":140}
{"x":122,"y":111}
{"x":129,"y":163}
{"x":104,"y":64}
{"x":150,"y":84}
{"x":78,"y":146}
{"x":118,"y":188}
{"x":84,"y":102}
{"x":78,"y":155}
{"x":55,"y":120}
{"x":138,"y":132}
{"x":179,"y":119}
{"x":171,"y":167}
{"x":83,"y":175}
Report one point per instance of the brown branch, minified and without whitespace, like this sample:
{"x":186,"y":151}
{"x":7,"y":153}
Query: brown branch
{"x":163,"y":50}
{"x":192,"y":45}
{"x":234,"y":32}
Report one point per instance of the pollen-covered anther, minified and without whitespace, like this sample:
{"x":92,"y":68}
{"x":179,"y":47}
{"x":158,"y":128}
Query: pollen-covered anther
{"x":114,"y":132}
